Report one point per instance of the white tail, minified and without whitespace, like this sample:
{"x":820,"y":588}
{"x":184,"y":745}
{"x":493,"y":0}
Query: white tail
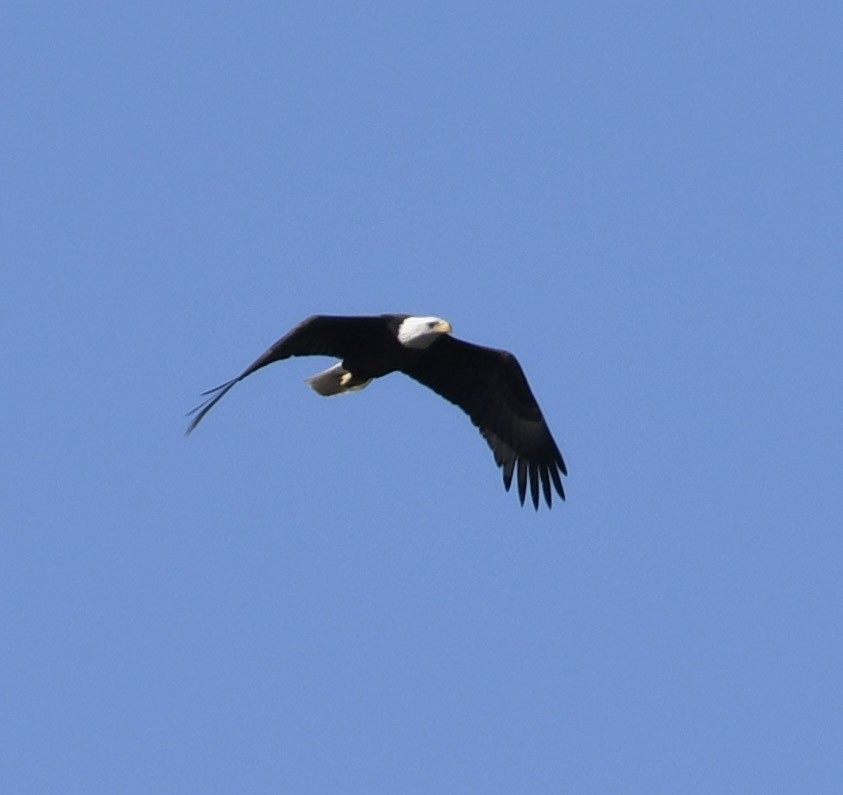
{"x":336,"y":380}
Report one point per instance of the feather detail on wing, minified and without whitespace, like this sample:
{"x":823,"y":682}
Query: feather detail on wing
{"x":490,"y":386}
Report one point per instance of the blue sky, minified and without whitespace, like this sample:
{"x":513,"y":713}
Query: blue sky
{"x":642,"y":201}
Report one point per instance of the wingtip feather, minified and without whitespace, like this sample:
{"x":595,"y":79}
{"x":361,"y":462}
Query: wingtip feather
{"x":203,"y":408}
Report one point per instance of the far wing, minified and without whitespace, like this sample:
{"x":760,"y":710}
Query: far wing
{"x":326,"y":335}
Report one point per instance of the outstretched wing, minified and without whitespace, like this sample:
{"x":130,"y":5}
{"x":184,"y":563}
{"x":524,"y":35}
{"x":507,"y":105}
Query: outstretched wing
{"x":325,"y":335}
{"x":490,"y":386}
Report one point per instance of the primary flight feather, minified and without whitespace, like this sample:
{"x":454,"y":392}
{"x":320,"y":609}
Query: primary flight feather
{"x":487,"y":384}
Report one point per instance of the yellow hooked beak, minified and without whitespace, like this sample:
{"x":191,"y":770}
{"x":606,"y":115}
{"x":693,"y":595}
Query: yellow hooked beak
{"x":443,"y":328}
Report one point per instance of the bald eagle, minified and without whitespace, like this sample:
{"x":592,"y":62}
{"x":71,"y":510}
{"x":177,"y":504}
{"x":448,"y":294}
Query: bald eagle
{"x":487,"y":384}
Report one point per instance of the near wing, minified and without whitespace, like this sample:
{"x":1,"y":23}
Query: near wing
{"x":490,"y":386}
{"x":318,"y":335}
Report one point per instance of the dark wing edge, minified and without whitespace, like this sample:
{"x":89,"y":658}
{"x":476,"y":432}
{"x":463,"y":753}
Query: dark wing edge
{"x":531,"y":472}
{"x":490,"y":386}
{"x":327,"y":335}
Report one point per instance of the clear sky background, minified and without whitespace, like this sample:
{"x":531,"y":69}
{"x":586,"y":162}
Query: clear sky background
{"x":643,"y":201}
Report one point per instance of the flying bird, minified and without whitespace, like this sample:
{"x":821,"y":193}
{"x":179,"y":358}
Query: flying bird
{"x":487,"y":384}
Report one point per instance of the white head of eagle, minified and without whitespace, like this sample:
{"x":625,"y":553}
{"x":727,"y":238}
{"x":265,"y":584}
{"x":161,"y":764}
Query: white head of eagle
{"x":487,"y":384}
{"x":420,"y":332}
